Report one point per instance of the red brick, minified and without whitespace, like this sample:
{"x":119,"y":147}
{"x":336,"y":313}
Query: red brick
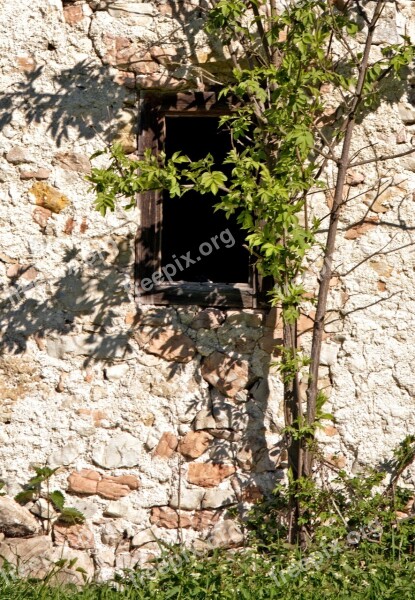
{"x":208,"y":474}
{"x":73,"y":14}
{"x":79,"y":536}
{"x":167,"y":445}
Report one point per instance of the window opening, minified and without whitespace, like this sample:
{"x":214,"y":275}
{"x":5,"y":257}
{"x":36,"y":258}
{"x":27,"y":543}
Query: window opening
{"x":190,"y":225}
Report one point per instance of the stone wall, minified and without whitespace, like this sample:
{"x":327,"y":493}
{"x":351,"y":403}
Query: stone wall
{"x":160,"y":419}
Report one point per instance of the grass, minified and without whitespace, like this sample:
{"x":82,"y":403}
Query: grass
{"x":369,"y":572}
{"x":359,"y":550}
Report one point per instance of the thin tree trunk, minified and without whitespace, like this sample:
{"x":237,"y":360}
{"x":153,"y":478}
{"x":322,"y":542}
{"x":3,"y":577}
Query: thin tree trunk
{"x":327,"y":269}
{"x":293,"y":414}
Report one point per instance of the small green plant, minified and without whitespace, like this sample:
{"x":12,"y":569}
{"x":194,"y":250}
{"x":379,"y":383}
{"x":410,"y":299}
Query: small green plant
{"x":337,"y":506}
{"x":39,"y":487}
{"x":404,"y":456}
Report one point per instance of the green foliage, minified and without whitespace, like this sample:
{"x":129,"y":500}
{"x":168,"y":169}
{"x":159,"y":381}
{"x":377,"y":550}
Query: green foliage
{"x":278,"y":144}
{"x":354,"y":509}
{"x":57,"y":499}
{"x":34,"y":489}
{"x":405,"y":453}
{"x":282,"y":65}
{"x":125,"y":177}
{"x":70,"y":516}
{"x":358,"y":549}
{"x":292,"y":361}
{"x":365,"y":572}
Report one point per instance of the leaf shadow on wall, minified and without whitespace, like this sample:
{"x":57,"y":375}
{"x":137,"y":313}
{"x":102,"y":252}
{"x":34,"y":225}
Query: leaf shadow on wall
{"x":239,"y":425}
{"x":46,"y":310}
{"x":74,"y":105}
{"x":77,"y":317}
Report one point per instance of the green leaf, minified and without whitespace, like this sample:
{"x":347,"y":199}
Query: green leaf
{"x":45,"y":472}
{"x":326,"y":416}
{"x":352,"y":28}
{"x":173,"y":592}
{"x":98,"y":153}
{"x":25,"y":497}
{"x":180,"y":158}
{"x":71,"y":516}
{"x":57,"y":499}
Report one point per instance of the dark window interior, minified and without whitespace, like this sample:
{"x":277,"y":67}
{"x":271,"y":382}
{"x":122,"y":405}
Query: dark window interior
{"x":190,"y":221}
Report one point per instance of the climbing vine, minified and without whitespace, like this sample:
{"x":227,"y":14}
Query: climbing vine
{"x":283,"y":139}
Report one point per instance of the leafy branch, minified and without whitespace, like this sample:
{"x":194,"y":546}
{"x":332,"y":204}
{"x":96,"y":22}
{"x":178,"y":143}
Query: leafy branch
{"x":282,"y":64}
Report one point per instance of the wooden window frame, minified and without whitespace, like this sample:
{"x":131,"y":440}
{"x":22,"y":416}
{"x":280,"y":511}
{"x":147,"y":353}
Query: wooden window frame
{"x":154,"y":108}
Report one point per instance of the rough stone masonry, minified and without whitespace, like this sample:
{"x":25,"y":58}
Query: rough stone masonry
{"x":160,"y":419}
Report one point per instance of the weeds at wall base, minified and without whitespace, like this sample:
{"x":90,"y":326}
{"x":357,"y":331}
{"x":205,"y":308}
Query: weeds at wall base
{"x":360,"y":551}
{"x":364,"y":573}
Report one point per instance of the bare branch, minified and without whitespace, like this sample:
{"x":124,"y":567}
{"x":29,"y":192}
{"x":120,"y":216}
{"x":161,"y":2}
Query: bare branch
{"x":378,"y":301}
{"x":371,"y":145}
{"x":338,"y":200}
{"x":382,"y":158}
{"x":326,"y":156}
{"x":261,"y":31}
{"x":380,"y":252}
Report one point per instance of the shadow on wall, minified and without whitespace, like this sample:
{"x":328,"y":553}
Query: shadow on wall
{"x":190,"y":21}
{"x":93,"y":290}
{"x":86,"y":98}
{"x":238,"y":414}
{"x":176,"y":49}
{"x":77,"y":314}
{"x":75,"y":104}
